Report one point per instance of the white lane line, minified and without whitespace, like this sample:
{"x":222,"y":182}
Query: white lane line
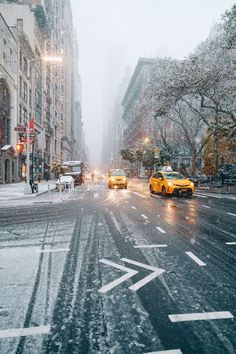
{"x":172,"y":351}
{"x":200,"y":316}
{"x":138,"y":194}
{"x":200,"y":196}
{"x":196,"y":259}
{"x":96,"y":195}
{"x":113,"y":284}
{"x":48,"y":250}
{"x":20,"y":332}
{"x":206,"y":206}
{"x":160,"y":229}
{"x":230,"y":243}
{"x":231,"y":214}
{"x":144,"y":216}
{"x":150,"y":246}
{"x":133,"y":207}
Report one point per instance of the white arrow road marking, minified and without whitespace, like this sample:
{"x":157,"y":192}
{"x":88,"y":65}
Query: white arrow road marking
{"x":160,"y":229}
{"x":150,"y":246}
{"x":231,"y":214}
{"x":230,"y":243}
{"x":130,"y":273}
{"x":196,"y":259}
{"x":147,"y":279}
{"x":200,"y":316}
{"x":173,"y":351}
{"x":21,"y":332}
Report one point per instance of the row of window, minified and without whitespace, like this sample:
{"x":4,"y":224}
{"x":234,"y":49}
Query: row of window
{"x":23,"y":90}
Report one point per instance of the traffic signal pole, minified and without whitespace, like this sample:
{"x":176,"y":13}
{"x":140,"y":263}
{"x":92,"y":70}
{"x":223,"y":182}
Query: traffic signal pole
{"x":27,"y":189}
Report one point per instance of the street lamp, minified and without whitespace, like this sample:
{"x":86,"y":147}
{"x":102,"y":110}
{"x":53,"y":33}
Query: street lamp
{"x":49,"y":59}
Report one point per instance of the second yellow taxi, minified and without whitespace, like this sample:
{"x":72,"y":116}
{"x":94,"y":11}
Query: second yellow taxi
{"x":117,"y":179}
{"x":170,"y":183}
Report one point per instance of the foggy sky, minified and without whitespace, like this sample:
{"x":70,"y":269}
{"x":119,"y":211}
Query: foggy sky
{"x":142,"y":28}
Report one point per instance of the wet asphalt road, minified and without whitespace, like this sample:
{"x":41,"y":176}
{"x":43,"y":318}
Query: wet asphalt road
{"x":106,"y":271}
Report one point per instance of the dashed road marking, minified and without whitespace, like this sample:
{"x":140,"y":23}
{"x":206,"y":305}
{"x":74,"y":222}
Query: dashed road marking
{"x":133,"y":207}
{"x":138,"y":194}
{"x":201,"y":196}
{"x":206,"y":206}
{"x":196,"y":259}
{"x":160,"y":229}
{"x":48,"y":250}
{"x":230,"y":243}
{"x":21,"y":332}
{"x":172,"y":351}
{"x":150,"y":246}
{"x":144,"y":216}
{"x":200,"y":316}
{"x":231,"y":214}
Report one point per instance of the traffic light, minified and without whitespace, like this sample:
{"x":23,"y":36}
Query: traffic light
{"x":19,"y":148}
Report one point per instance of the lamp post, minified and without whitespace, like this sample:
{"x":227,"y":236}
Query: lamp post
{"x":49,"y":59}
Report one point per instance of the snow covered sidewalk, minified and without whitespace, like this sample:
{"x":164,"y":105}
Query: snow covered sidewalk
{"x":15,"y":191}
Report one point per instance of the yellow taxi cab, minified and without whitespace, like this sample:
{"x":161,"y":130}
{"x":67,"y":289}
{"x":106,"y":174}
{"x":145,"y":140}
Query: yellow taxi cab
{"x":117,"y":179}
{"x":170,"y":183}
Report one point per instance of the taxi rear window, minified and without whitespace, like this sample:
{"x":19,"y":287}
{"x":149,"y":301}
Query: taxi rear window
{"x":118,"y":173}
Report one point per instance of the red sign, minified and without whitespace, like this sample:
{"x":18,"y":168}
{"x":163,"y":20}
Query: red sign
{"x":31,"y":132}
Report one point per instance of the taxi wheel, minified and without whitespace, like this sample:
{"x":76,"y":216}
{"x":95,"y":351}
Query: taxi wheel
{"x":151,"y":190}
{"x":163,"y":192}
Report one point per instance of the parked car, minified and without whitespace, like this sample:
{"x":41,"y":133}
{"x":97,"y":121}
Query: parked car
{"x":67,"y":180}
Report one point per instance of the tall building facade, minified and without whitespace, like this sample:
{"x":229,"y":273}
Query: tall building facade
{"x":45,"y":90}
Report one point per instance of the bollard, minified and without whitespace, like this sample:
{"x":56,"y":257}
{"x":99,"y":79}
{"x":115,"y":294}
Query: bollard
{"x":49,"y":192}
{"x":60,"y":192}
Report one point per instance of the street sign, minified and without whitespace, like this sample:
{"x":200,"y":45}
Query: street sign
{"x":130,"y":273}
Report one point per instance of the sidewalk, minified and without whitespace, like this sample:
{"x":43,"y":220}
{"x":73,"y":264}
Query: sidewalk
{"x":15,"y":191}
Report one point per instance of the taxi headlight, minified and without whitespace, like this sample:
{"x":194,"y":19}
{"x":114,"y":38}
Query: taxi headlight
{"x":170,"y":184}
{"x":124,"y":179}
{"x":113,"y":179}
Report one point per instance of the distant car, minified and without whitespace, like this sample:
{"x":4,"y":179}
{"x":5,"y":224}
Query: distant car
{"x":117,"y":179}
{"x":170,"y":183}
{"x":68,"y":180}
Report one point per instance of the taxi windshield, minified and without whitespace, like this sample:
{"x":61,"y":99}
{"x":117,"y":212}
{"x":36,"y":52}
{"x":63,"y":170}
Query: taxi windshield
{"x":173,"y":176}
{"x":118,"y":173}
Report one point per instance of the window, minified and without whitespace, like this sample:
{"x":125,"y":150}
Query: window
{"x":30,"y":98}
{"x":25,"y":114}
{"x":25,"y":66}
{"x":21,"y":59}
{"x":20,"y":86}
{"x":25,"y":92}
{"x":20,"y":113}
{"x":11,"y":57}
{"x":4,"y":49}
